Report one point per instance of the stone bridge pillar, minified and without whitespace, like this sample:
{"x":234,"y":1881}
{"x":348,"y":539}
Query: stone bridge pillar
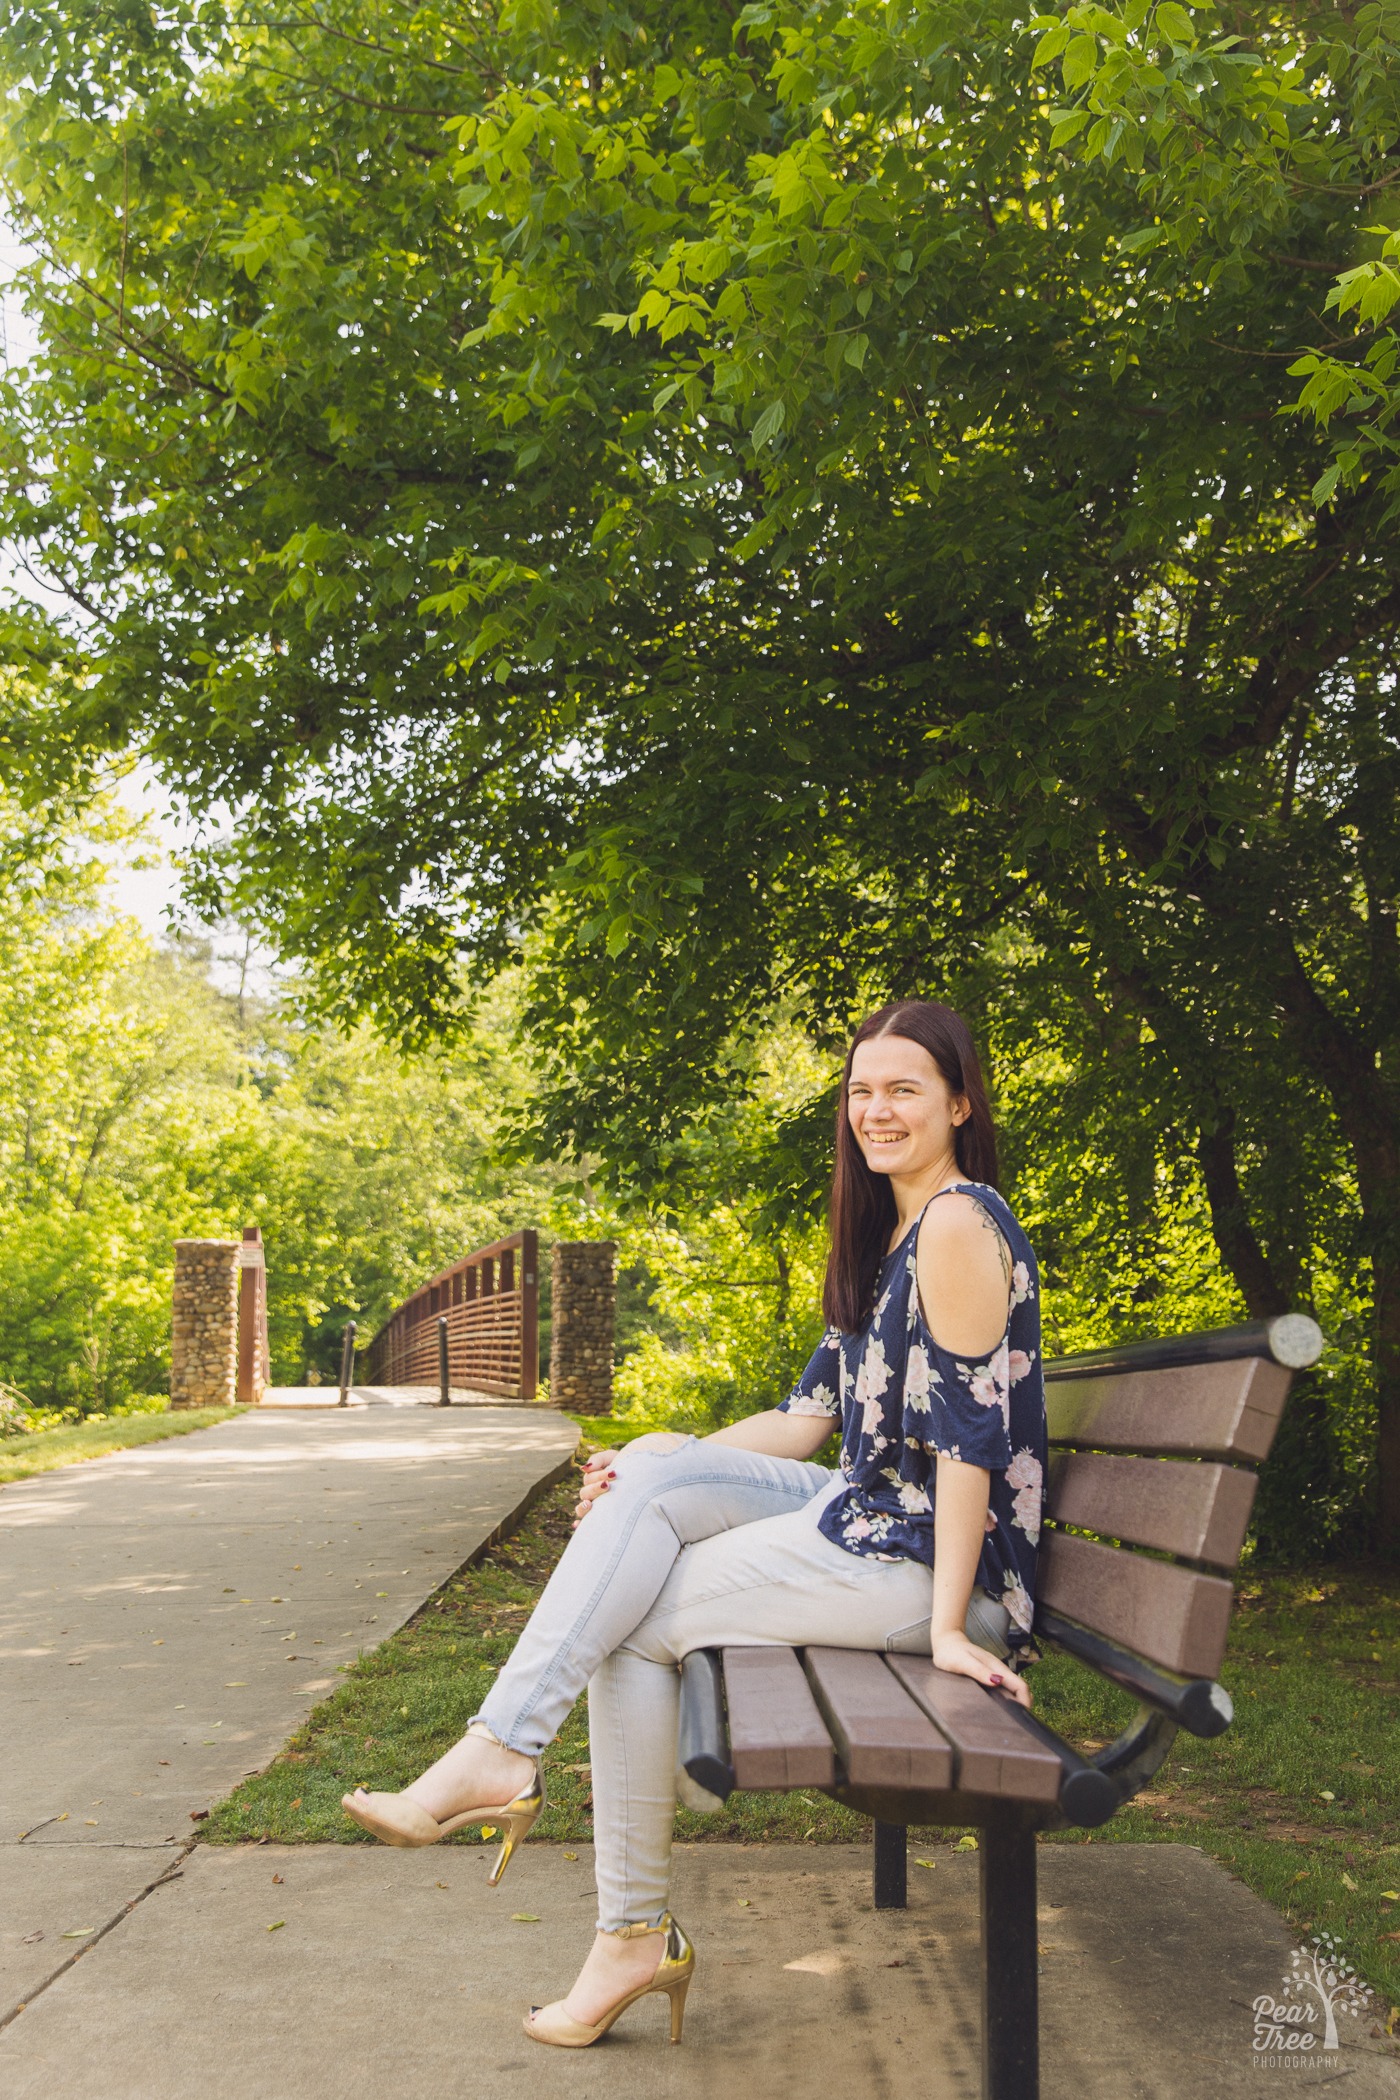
{"x":583,"y":1309}
{"x":204,"y":1324}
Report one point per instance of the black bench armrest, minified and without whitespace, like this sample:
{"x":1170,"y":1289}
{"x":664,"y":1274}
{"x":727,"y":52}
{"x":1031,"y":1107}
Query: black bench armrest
{"x":702,"y":1749}
{"x":1201,"y":1707}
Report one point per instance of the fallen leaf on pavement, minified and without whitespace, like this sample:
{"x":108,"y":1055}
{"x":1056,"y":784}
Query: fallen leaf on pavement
{"x":277,"y":1877}
{"x":523,"y":1917}
{"x":80,"y":1932}
{"x":199,"y":1815}
{"x":278,"y":1926}
{"x":930,"y":1863}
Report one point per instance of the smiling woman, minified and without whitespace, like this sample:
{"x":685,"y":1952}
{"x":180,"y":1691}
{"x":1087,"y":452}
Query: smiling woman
{"x":923,"y":1541}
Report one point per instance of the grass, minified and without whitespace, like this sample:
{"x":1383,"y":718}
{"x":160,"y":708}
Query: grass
{"x":1299,"y":1798}
{"x":22,"y":1457}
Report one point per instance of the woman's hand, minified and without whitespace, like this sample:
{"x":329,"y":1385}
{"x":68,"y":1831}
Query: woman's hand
{"x":597,"y":1472}
{"x":599,"y":1469}
{"x":955,"y":1652}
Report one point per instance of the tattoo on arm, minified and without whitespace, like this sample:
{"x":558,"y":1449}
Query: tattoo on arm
{"x":990,"y":1224}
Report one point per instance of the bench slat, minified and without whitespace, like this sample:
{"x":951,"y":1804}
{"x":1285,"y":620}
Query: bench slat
{"x":777,"y":1738}
{"x":994,"y":1754}
{"x":1222,"y":1410}
{"x":1171,"y":1615}
{"x":1201,"y":1511}
{"x":884,"y":1738}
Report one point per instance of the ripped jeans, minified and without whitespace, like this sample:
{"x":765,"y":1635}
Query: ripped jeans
{"x":702,"y":1546}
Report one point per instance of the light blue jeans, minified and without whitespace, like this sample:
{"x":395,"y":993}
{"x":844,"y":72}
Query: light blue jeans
{"x":704,"y":1546}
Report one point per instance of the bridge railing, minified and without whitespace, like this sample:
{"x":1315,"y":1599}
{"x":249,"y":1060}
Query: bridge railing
{"x":491,"y":1302}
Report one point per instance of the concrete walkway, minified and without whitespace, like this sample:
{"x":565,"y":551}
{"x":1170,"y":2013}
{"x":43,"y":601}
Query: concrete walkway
{"x":169,"y":1615}
{"x":318,"y":1396}
{"x":355,"y":1973}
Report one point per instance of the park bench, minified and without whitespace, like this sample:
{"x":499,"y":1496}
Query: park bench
{"x":1152,"y":1448}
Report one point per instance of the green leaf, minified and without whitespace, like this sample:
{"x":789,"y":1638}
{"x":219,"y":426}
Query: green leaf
{"x":768,"y":425}
{"x":1080,"y":60}
{"x":1174,"y":23}
{"x":1051,"y":44}
{"x":1068,"y":126}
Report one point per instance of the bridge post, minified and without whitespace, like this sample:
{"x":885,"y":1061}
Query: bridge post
{"x":204,"y":1324}
{"x":253,"y":1365}
{"x":583,"y":1314}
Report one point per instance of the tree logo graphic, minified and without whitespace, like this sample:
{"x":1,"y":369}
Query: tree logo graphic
{"x":1302,"y":2026}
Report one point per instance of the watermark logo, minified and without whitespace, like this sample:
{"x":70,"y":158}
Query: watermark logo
{"x":1300,"y":2028}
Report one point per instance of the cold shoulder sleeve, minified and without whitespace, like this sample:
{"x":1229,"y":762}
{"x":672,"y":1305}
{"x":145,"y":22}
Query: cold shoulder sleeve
{"x":957,"y":1406}
{"x":818,"y":1390}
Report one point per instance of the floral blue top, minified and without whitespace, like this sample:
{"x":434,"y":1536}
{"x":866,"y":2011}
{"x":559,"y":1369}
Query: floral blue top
{"x":902,"y":1399}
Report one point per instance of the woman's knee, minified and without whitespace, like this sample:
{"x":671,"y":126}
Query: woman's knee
{"x":656,"y":1445}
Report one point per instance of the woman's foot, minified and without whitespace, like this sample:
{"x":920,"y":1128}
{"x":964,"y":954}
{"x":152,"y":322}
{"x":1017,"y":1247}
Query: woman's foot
{"x":614,"y":1967}
{"x":622,"y":1967}
{"x":478,"y":1772}
{"x":477,"y":1781}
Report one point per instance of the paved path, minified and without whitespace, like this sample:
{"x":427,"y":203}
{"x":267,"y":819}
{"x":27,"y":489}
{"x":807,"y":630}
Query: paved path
{"x":169,"y":1615}
{"x":319,"y":1396}
{"x":401,"y":1976}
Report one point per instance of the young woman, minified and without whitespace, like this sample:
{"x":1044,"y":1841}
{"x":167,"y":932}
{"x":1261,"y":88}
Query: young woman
{"x":923,"y":1541}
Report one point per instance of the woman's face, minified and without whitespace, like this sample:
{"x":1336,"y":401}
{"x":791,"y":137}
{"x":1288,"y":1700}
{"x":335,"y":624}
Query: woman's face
{"x":900,"y":1107}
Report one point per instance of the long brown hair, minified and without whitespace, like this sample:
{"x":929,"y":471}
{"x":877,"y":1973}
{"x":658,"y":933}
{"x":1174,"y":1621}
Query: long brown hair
{"x":862,"y":1203}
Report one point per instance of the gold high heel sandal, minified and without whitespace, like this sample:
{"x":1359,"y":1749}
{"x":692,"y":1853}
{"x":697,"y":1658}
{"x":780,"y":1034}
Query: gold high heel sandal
{"x":550,"y":2023}
{"x":401,"y":1822}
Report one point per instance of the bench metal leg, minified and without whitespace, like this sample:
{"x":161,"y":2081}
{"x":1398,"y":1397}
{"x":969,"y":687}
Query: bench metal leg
{"x":1010,"y":2013}
{"x":891,"y":1866}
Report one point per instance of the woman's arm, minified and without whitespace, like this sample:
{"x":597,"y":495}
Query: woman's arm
{"x":778,"y":1434}
{"x":963,"y":1268}
{"x":959,"y":1525}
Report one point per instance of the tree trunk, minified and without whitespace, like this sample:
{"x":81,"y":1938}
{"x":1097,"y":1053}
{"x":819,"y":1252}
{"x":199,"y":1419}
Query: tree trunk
{"x":1264,"y":1295}
{"x":1348,"y":1069}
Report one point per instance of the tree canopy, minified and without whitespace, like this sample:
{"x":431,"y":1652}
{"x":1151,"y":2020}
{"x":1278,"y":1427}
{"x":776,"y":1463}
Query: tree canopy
{"x":789,"y":507}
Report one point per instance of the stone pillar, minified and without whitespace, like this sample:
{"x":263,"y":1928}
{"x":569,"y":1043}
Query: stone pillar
{"x":204,"y":1324}
{"x":582,"y":1315}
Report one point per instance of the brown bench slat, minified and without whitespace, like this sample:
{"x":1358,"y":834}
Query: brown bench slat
{"x":884,"y":1738}
{"x":1201,"y":1511}
{"x":1222,"y":1410}
{"x":1171,"y":1615}
{"x":994,"y":1754}
{"x":777,"y":1738}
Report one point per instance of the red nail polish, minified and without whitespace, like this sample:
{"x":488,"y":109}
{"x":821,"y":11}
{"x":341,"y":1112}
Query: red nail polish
{"x":994,"y":1680}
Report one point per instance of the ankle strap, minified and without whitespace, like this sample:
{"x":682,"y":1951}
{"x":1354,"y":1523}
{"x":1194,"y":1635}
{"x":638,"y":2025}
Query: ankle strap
{"x":636,"y":1932}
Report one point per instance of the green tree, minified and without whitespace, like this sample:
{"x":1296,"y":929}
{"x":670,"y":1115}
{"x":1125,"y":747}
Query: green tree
{"x":778,"y":508}
{"x":106,"y":1065}
{"x":136,"y":1107}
